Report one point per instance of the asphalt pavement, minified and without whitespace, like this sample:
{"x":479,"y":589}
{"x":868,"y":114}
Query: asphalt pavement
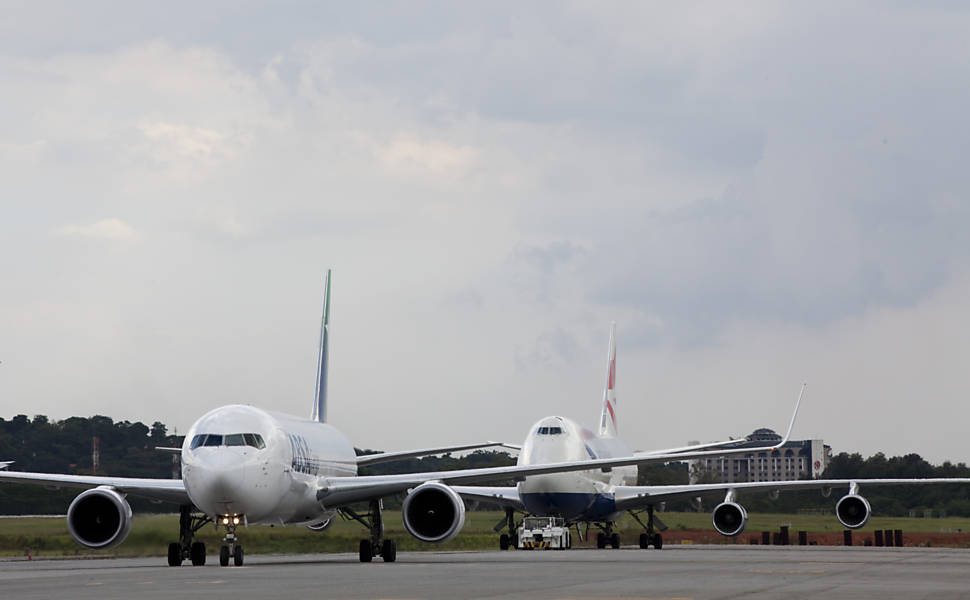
{"x":714,"y":572}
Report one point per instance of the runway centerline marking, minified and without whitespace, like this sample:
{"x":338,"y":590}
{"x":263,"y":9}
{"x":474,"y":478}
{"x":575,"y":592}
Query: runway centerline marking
{"x":786,"y":571}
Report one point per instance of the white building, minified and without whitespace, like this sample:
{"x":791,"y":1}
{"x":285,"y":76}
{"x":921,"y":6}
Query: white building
{"x":794,"y":460}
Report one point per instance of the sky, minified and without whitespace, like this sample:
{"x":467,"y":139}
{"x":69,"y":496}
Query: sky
{"x":758,"y":193}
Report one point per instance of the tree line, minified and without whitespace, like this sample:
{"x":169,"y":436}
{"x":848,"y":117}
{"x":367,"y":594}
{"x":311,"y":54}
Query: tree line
{"x":128,"y":450}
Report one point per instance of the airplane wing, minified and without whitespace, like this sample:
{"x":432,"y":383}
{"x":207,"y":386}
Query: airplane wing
{"x":506,"y":496}
{"x":169,"y":490}
{"x":373,"y":459}
{"x":725,"y":443}
{"x":630,"y":497}
{"x":340,"y":491}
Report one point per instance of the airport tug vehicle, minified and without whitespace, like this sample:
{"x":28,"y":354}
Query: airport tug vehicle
{"x":544,"y":533}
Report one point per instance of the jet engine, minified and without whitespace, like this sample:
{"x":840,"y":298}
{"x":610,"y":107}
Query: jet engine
{"x":99,"y":518}
{"x":729,"y":518}
{"x":853,"y":511}
{"x":433,"y":512}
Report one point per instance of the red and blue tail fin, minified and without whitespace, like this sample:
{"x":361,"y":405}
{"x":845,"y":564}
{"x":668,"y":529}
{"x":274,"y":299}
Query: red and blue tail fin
{"x":608,"y":417}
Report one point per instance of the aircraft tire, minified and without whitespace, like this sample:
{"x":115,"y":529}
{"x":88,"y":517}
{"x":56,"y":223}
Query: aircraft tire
{"x":658,"y":541}
{"x":389,"y":551}
{"x":514,"y":541}
{"x":615,"y":541}
{"x":366,"y":555}
{"x":644,"y":541}
{"x":197,"y":554}
{"x":174,"y":554}
{"x":601,"y":540}
{"x":237,"y":556}
{"x":224,"y":556}
{"x":503,"y":542}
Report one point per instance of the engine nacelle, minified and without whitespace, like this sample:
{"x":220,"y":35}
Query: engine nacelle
{"x":853,"y":511}
{"x":99,"y":518}
{"x":729,"y":518}
{"x":433,"y":512}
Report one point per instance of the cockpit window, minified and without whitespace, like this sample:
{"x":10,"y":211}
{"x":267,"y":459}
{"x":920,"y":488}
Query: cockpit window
{"x":549,"y":430}
{"x":213,"y":440}
{"x":233,"y":439}
{"x":255,"y":440}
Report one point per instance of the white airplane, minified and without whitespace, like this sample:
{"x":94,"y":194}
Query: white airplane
{"x":242,"y":464}
{"x":600,"y":496}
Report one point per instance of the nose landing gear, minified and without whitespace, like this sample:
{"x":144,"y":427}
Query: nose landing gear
{"x":229,"y":546}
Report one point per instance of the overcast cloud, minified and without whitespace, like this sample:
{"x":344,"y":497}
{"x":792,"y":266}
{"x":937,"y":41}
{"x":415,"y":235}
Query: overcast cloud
{"x":758,"y":193}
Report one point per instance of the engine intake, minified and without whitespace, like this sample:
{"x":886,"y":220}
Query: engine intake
{"x":853,"y":511}
{"x":433,"y":512}
{"x":99,"y":518}
{"x":729,"y":518}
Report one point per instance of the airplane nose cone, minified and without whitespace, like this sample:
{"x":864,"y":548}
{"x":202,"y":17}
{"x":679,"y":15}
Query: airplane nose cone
{"x":216,"y":482}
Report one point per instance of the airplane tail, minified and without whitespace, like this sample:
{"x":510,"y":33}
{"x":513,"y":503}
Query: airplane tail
{"x":319,"y":412}
{"x":608,"y":417}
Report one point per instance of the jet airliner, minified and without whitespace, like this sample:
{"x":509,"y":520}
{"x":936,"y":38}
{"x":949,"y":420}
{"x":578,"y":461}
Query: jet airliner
{"x":598,"y":496}
{"x":242,"y":464}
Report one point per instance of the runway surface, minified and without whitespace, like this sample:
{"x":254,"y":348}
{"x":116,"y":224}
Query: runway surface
{"x":719,"y":572}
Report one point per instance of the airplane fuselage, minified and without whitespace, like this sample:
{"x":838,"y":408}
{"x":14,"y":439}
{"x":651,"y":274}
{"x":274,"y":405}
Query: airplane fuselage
{"x":576,"y":495}
{"x":262,"y":466}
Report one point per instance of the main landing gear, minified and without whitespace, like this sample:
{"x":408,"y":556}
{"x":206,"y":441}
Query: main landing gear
{"x":376,"y":545}
{"x":607,"y":536}
{"x":651,"y":537}
{"x":185,"y":548}
{"x":230,"y":549}
{"x":510,"y":539}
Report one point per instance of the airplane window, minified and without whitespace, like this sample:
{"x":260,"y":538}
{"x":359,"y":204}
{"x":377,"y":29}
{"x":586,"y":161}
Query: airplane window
{"x":235,"y":439}
{"x":549,"y":430}
{"x":213,"y":440}
{"x":255,"y":440}
{"x":197,"y":441}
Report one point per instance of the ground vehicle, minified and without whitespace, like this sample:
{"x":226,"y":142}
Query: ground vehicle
{"x":544,"y":533}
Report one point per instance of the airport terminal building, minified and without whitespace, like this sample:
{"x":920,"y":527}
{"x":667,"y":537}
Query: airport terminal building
{"x":794,"y":460}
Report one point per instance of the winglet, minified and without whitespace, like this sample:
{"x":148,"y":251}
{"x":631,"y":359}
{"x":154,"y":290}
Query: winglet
{"x":319,"y":412}
{"x":792,"y":423}
{"x":608,"y":416}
